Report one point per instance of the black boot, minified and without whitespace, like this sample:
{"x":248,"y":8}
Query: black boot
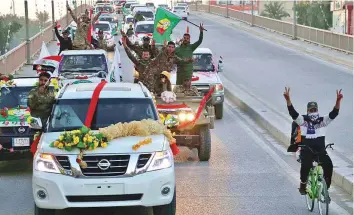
{"x":302,"y":188}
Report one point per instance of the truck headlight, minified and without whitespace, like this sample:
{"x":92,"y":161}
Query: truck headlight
{"x":186,"y":116}
{"x":46,"y":163}
{"x":219,"y":88}
{"x":161,"y":160}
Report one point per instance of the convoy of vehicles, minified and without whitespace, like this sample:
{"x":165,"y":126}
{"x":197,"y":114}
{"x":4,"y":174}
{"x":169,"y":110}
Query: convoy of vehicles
{"x":59,"y":182}
{"x":183,"y":5}
{"x":108,"y":31}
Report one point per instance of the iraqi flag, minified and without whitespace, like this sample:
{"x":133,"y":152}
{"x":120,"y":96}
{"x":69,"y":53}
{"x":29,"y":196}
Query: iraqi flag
{"x":60,"y":30}
{"x":116,"y":69}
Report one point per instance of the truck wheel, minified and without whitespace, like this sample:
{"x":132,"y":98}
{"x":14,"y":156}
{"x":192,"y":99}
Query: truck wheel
{"x":204,"y":144}
{"x":41,"y":211}
{"x":169,"y":209}
{"x":219,"y":110}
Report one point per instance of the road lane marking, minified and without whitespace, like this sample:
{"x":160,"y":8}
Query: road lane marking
{"x":284,"y":166}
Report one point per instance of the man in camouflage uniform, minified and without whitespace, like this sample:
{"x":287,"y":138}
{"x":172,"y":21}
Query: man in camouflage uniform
{"x":130,"y":30}
{"x":186,"y":88}
{"x":139,"y":49}
{"x":102,"y":43}
{"x":41,"y":99}
{"x":144,"y":66}
{"x":80,"y":41}
{"x":185,"y":50}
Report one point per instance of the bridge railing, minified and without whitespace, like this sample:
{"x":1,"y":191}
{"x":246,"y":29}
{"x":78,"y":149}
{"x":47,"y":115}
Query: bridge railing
{"x":326,"y":38}
{"x":16,"y":58}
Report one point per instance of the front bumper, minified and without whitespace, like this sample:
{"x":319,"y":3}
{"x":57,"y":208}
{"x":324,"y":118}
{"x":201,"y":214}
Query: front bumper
{"x":69,"y":192}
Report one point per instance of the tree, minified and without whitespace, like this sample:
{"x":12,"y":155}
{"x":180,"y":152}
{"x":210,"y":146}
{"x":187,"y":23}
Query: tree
{"x":7,"y":23}
{"x":275,"y":10}
{"x":42,"y":17}
{"x":315,"y":14}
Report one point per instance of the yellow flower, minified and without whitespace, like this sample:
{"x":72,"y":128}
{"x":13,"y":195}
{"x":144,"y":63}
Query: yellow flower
{"x":89,"y":139}
{"x":29,"y":119}
{"x":60,"y":145}
{"x":11,"y":112}
{"x":103,"y":145}
{"x":76,"y":140}
{"x":61,"y":137}
{"x":54,"y":81}
{"x":85,"y":139}
{"x":95,"y":143}
{"x":56,"y":143}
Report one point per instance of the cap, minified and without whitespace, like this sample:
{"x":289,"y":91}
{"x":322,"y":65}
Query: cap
{"x":146,"y":38}
{"x":167,"y":74}
{"x":312,"y":105}
{"x":100,"y":31}
{"x":65,"y":32}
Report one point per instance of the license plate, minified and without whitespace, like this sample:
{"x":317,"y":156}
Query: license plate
{"x":18,"y":142}
{"x":106,"y":189}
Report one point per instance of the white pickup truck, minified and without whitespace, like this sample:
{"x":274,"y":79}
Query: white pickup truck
{"x":115,"y":175}
{"x":205,"y":76}
{"x":84,"y":66}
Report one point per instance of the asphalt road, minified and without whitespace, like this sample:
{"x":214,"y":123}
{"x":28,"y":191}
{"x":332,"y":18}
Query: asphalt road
{"x":248,"y":173}
{"x":263,"y":69}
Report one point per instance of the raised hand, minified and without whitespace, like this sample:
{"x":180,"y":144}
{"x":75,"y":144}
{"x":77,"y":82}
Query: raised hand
{"x":201,"y":27}
{"x":124,"y":41}
{"x":287,"y":94}
{"x":339,"y":95}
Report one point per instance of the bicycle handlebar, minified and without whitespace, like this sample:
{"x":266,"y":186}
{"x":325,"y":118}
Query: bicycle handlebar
{"x":328,"y":145}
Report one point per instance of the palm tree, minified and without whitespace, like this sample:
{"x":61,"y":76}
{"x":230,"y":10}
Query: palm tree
{"x":275,"y":10}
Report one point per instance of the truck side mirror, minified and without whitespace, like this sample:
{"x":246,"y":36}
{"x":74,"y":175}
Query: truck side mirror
{"x":35,"y":123}
{"x":220,"y":65}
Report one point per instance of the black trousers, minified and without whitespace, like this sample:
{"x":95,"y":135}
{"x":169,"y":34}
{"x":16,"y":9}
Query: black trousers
{"x":306,"y":164}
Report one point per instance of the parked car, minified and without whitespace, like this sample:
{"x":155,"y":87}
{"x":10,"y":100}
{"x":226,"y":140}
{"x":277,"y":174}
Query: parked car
{"x":180,"y":11}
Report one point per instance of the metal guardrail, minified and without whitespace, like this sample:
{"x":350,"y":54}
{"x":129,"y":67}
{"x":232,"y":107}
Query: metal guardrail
{"x":329,"y":39}
{"x":16,"y":58}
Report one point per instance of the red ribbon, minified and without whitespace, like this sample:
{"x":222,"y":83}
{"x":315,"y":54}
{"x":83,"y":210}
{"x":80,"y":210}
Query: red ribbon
{"x":93,"y":103}
{"x":81,"y":77}
{"x":54,"y":57}
{"x":35,"y":144}
{"x":195,"y":78}
{"x":200,"y":110}
{"x":171,"y":106}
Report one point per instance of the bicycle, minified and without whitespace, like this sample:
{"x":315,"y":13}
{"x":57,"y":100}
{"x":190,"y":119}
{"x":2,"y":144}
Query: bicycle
{"x":316,"y":188}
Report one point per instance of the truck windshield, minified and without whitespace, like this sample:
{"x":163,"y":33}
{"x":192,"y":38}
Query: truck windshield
{"x":105,"y":9}
{"x":107,"y":19}
{"x":129,"y":19}
{"x":203,"y":62}
{"x":83,"y":63}
{"x":70,"y":114}
{"x":144,"y":28}
{"x":147,"y":14}
{"x":15,"y":96}
{"x":102,"y":26}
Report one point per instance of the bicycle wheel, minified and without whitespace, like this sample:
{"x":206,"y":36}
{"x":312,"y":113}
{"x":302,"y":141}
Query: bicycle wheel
{"x":309,"y":202}
{"x":323,"y":197}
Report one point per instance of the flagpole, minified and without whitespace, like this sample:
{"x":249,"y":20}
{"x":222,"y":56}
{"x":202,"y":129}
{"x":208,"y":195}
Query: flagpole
{"x":193,"y":24}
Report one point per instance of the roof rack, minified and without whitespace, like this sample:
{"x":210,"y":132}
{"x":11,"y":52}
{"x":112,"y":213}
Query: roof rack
{"x":142,"y":88}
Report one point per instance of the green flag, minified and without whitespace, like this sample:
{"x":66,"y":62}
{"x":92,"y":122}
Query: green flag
{"x":125,"y":11}
{"x":165,"y":22}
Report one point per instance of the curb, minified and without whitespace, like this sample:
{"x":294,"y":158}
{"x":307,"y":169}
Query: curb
{"x":282,"y":42}
{"x":277,"y":126}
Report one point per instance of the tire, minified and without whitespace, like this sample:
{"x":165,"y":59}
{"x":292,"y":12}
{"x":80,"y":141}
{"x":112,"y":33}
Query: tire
{"x":309,"y":202}
{"x":169,"y":209}
{"x":204,"y":148}
{"x":323,"y":198}
{"x":219,"y":110}
{"x":41,"y":211}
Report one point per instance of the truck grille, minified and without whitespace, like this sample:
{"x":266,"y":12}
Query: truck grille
{"x":105,"y":165}
{"x":143,"y":159}
{"x":202,"y":89}
{"x":64,"y":162}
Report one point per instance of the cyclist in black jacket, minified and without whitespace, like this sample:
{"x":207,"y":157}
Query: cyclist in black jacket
{"x":312,"y":128}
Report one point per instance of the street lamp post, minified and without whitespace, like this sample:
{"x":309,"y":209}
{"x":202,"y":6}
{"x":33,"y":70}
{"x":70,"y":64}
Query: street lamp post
{"x":294,"y":22}
{"x":67,"y":13}
{"x":252,"y":19}
{"x":53,"y":18}
{"x":227,"y":9}
{"x":28,"y":51}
